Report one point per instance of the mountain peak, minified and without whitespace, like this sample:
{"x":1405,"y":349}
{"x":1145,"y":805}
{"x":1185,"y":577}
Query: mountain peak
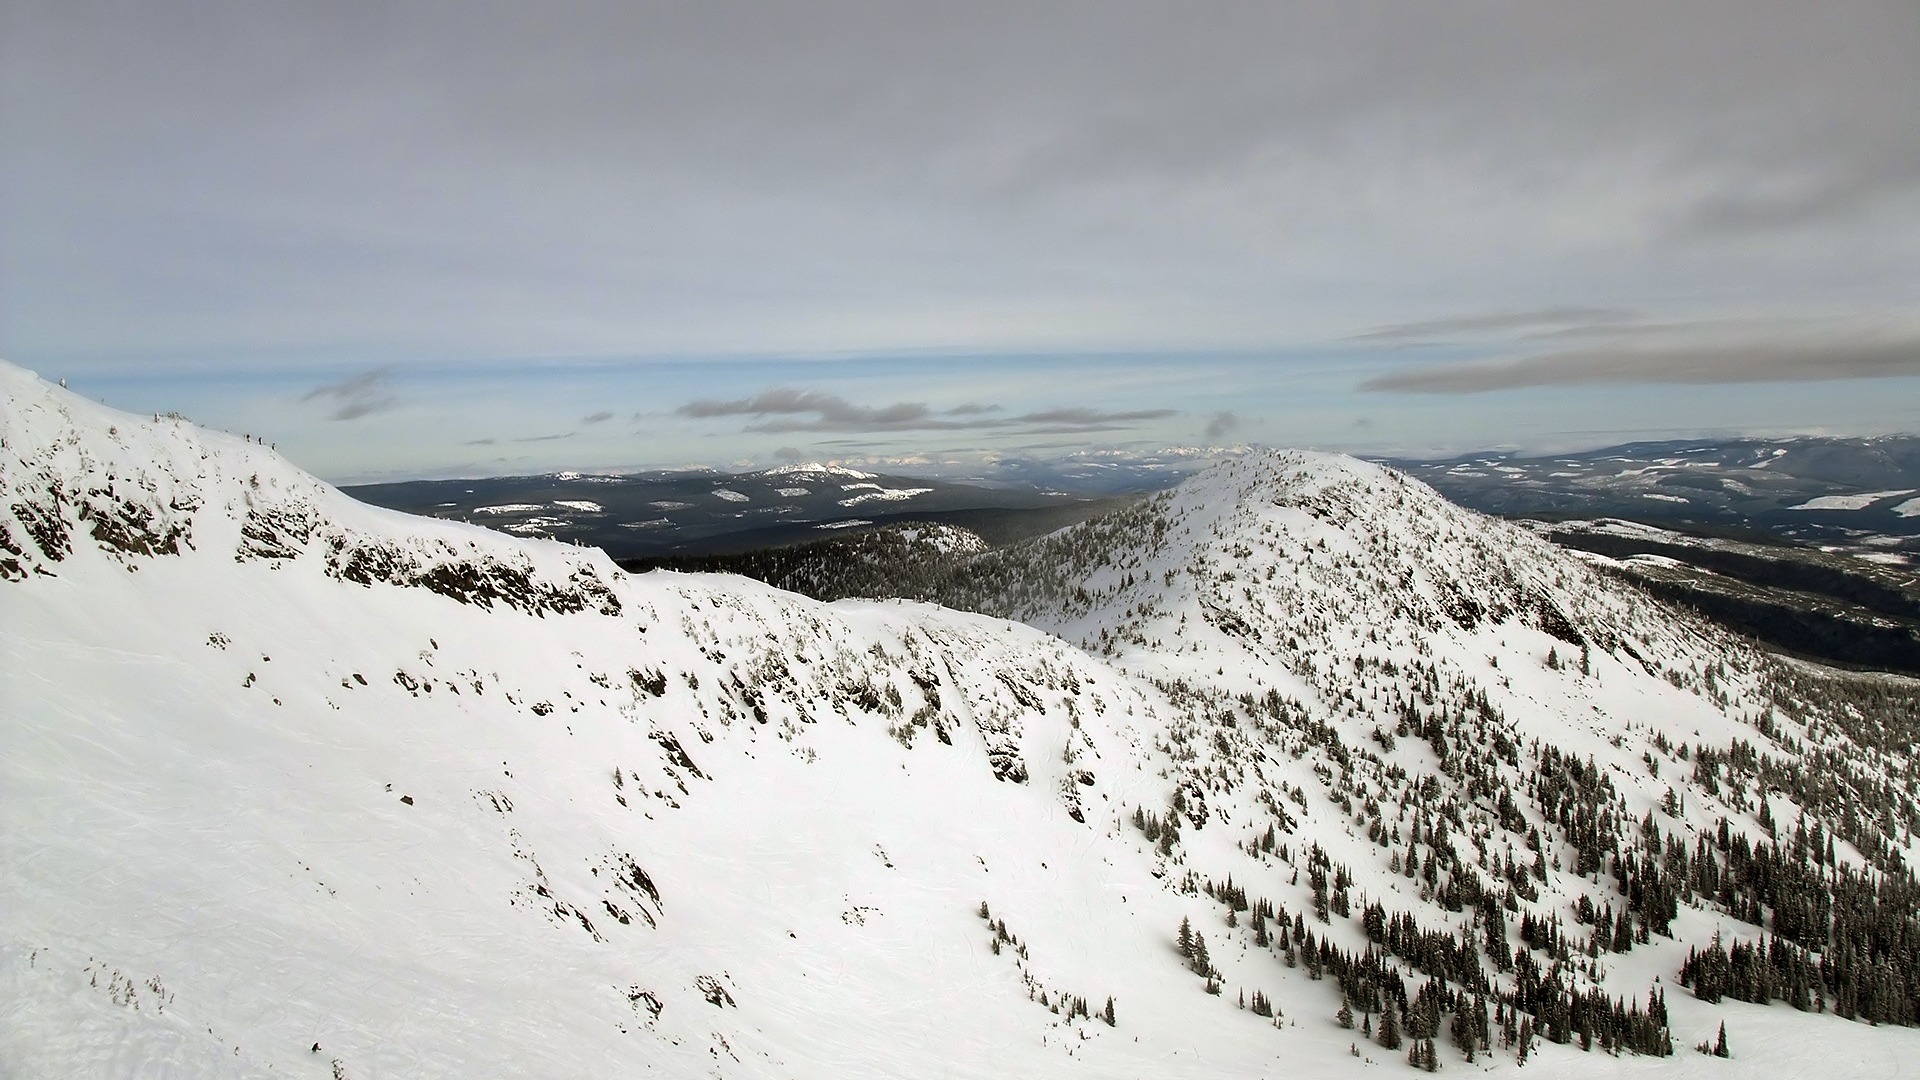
{"x":814,"y":468}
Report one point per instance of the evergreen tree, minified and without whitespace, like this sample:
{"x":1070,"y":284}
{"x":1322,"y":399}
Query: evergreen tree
{"x":1389,"y":1029}
{"x":1202,"y":964}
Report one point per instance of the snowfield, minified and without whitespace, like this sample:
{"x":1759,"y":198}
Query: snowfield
{"x":879,"y":494}
{"x":1850,"y":502}
{"x":813,"y":470}
{"x":296,"y":786}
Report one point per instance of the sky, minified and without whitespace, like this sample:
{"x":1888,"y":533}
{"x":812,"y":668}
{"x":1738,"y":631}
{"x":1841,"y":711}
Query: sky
{"x":430,"y":239}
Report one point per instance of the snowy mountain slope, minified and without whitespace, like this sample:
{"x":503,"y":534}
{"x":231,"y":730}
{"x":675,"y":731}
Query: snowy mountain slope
{"x":286,"y":771}
{"x":339,"y":792}
{"x":1448,"y":674}
{"x":1473,"y":679}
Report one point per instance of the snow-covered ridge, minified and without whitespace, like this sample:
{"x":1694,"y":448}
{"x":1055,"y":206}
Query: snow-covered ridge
{"x":814,"y":469}
{"x":161,"y":487}
{"x":503,"y":779}
{"x":880,"y":494}
{"x":288,"y":772}
{"x":1292,"y":545}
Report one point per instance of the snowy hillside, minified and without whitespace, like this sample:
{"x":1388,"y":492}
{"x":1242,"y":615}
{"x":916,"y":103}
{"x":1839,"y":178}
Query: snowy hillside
{"x":295,"y":786}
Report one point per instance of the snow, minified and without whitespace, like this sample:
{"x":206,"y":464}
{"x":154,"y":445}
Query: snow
{"x":1851,"y":502}
{"x":585,"y":506}
{"x":814,"y":469}
{"x":1662,"y":561}
{"x":669,"y":504}
{"x":847,"y":524}
{"x":285,"y":769}
{"x":1910,"y":508}
{"x":949,"y":539}
{"x":729,"y":495}
{"x":510,"y":508}
{"x":880,"y":494}
{"x":535,"y":526}
{"x":791,"y":492}
{"x":1662,"y":498}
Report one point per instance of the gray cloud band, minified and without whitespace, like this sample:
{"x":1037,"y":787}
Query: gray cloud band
{"x":1727,"y":363}
{"x":830,"y":412}
{"x":729,"y":168}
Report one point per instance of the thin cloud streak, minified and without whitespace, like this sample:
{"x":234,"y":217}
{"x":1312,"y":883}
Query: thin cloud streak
{"x":833,"y":413}
{"x":1474,"y":325}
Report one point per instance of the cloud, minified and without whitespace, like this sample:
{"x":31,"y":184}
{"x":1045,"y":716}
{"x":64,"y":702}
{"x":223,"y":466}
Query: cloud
{"x":491,"y":440}
{"x":829,"y":412}
{"x":1743,"y":361}
{"x":679,"y":180}
{"x":1081,"y":417}
{"x":1221,"y":423}
{"x":1494,"y":323}
{"x":600,"y":417}
{"x":361,"y":395}
{"x":1806,"y":197}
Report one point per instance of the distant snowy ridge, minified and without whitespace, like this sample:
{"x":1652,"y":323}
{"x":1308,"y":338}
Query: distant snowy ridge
{"x":814,"y":469}
{"x":1850,"y":502}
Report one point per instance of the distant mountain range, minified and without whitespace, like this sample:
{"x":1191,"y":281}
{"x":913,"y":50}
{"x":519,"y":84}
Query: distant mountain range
{"x":1811,"y":545}
{"x":706,"y":512}
{"x":1857,"y":495}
